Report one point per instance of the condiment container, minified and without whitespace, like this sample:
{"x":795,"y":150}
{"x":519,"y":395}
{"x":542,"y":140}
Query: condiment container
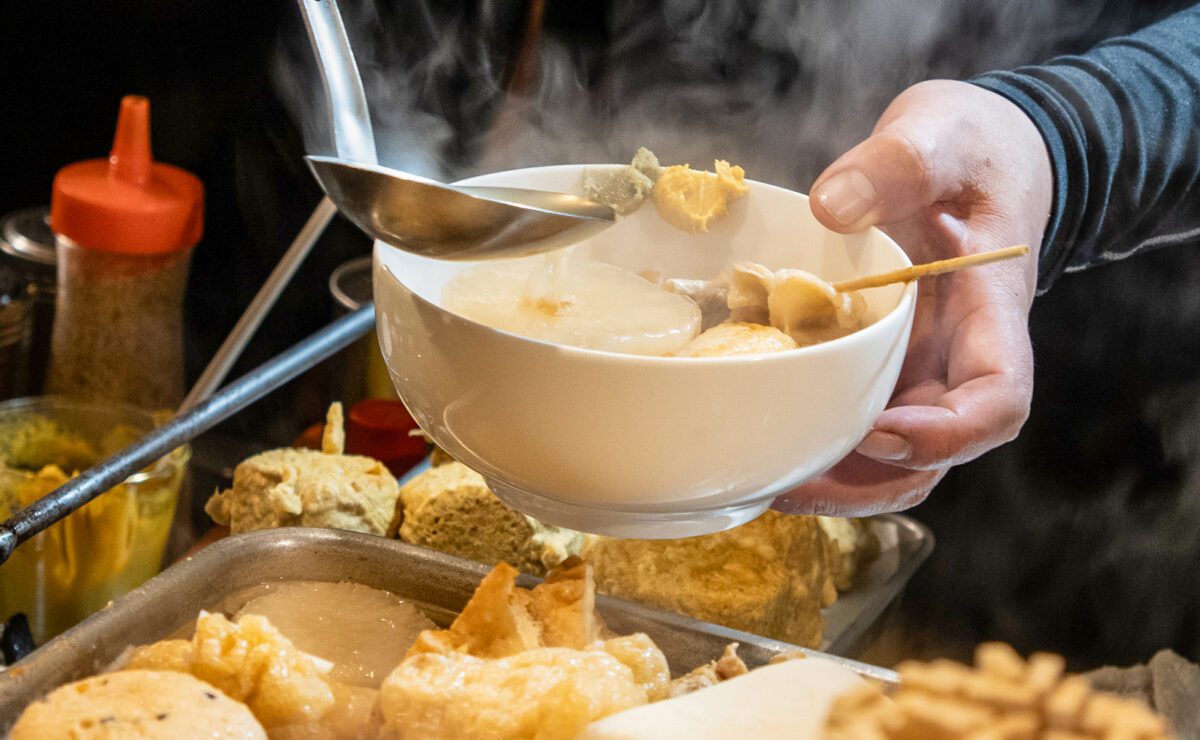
{"x":27,"y":288}
{"x":365,"y":374}
{"x":124,"y":228}
{"x":111,"y":545}
{"x":381,"y":428}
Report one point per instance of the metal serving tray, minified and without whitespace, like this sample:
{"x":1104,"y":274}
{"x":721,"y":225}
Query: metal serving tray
{"x":436,"y":583}
{"x":855,"y":618}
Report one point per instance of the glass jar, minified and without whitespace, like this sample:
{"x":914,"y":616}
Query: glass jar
{"x":366,"y":374}
{"x":27,"y":289}
{"x":110,"y":546}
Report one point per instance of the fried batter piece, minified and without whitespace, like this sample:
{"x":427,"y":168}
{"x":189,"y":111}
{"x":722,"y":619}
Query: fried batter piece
{"x":1001,"y":697}
{"x":495,"y":623}
{"x":250,"y":661}
{"x":522,"y":663}
{"x":545,"y":693}
{"x":565,"y":606}
{"x":728,"y":666}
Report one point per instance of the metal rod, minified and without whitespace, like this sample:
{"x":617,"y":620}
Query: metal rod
{"x":233,"y":398}
{"x":231,"y":349}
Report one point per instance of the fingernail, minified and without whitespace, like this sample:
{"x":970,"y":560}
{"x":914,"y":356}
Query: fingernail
{"x":847,"y":196}
{"x":885,"y":446}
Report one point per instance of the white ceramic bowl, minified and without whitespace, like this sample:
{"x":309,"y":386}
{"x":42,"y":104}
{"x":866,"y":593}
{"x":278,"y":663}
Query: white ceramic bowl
{"x":647,"y":447}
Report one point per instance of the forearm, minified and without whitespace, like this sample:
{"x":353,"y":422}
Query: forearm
{"x":1122,"y":127}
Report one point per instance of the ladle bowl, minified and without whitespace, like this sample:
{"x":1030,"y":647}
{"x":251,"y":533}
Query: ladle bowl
{"x":432,"y":219}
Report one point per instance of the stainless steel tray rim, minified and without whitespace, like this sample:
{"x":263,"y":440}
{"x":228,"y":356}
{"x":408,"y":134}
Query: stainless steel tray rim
{"x":163,"y":604}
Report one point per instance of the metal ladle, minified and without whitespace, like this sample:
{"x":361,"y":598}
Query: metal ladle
{"x":406,"y":211}
{"x":417,"y":214}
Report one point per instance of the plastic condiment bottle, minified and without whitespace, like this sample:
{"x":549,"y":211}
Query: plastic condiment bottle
{"x":124,"y":230}
{"x":380,"y":428}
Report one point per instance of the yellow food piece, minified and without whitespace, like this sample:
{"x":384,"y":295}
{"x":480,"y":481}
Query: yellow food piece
{"x":248,"y":660}
{"x":450,"y":508}
{"x":495,"y":623}
{"x":111,"y":545}
{"x":544,"y":693}
{"x":769,"y":576}
{"x":564,"y":606}
{"x":164,"y":655}
{"x":251,"y":661}
{"x":354,"y":715}
{"x":639,"y":653}
{"x":734,"y":338}
{"x":1002,"y":696}
{"x":333,"y":435}
{"x":691,"y":199}
{"x":137,"y":704}
{"x":522,"y":664}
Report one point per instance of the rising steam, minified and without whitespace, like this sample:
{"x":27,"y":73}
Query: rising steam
{"x":780,"y":86}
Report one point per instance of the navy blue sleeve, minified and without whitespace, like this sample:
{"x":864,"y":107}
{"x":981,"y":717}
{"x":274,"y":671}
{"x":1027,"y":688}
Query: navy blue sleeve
{"x":1122,"y":126}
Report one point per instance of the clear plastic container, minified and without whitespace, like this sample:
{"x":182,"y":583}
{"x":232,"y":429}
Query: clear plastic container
{"x":107,"y":548}
{"x":118,"y":330}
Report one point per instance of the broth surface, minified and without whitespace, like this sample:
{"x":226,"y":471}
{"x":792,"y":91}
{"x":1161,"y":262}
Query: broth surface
{"x":577,"y":303}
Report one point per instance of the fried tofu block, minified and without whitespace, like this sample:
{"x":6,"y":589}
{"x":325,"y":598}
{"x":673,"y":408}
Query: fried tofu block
{"x":769,"y":576}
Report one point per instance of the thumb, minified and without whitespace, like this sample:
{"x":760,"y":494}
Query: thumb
{"x":887,"y":178}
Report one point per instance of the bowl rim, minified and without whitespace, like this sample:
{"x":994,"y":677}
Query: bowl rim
{"x":882,"y":325}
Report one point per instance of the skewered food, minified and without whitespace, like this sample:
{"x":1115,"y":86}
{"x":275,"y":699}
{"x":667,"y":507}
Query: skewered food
{"x":598,"y":306}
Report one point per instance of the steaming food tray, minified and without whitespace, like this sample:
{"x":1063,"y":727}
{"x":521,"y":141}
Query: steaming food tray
{"x":438,"y":584}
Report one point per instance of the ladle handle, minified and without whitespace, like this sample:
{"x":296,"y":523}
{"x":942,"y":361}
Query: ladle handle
{"x":348,"y":112}
{"x":916,"y":272}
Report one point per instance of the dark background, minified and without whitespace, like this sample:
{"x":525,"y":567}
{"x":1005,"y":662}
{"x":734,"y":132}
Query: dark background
{"x":1082,"y":537}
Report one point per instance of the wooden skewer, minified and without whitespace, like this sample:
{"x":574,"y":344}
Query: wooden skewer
{"x":938,"y":267}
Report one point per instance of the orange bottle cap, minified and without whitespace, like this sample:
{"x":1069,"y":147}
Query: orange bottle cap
{"x":128,"y":203}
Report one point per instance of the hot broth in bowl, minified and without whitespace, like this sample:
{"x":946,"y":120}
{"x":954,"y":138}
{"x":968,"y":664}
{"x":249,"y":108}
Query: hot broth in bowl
{"x":612,"y":427}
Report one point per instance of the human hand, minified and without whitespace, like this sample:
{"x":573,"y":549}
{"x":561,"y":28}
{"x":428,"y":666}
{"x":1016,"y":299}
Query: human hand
{"x":950,"y":169}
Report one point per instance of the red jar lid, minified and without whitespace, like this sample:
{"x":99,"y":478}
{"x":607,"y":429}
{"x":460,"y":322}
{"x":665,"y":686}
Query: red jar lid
{"x":379,"y":428}
{"x":128,"y":203}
